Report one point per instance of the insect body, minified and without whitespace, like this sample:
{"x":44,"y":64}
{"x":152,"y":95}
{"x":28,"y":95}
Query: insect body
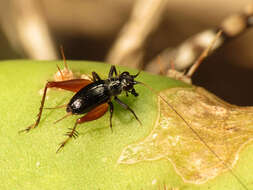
{"x":92,"y":98}
{"x":102,"y":91}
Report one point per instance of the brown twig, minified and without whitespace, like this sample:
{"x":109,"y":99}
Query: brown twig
{"x":189,"y":51}
{"x":204,"y":54}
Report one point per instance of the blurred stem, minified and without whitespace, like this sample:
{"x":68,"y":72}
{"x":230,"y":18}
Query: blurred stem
{"x":144,"y":19}
{"x":26,"y":29}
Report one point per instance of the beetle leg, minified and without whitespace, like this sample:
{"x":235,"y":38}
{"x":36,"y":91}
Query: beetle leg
{"x":133,"y":92}
{"x":111,"y":113}
{"x":70,"y":134}
{"x":71,"y":85}
{"x":95,"y":76}
{"x":127,"y":107}
{"x":112,"y":70}
{"x":56,"y":107}
{"x":94,"y":114}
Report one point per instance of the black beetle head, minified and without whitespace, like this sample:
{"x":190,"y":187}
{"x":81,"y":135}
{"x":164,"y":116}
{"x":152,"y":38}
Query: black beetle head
{"x":128,"y":82}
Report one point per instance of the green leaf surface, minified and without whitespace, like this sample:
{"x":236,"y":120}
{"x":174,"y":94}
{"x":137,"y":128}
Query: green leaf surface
{"x":29,"y":161}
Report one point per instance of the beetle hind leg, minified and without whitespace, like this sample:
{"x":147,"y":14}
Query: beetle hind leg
{"x":94,"y":114}
{"x":28,"y":128}
{"x":72,"y":133}
{"x":71,"y":85}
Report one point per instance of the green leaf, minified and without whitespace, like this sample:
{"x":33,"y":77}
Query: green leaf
{"x":29,"y":161}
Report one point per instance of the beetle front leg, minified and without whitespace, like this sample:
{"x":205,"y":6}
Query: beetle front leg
{"x":133,"y":92}
{"x":127,"y":107}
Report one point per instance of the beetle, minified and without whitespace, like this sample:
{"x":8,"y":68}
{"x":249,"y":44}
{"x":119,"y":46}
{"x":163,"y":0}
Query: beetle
{"x":92,"y":98}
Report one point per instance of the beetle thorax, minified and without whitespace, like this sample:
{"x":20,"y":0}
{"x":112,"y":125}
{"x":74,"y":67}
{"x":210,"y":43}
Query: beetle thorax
{"x":115,"y":87}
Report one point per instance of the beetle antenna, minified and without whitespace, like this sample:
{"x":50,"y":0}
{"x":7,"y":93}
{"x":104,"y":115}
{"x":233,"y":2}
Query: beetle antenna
{"x":197,"y":134}
{"x":136,"y":74}
{"x":68,"y":114}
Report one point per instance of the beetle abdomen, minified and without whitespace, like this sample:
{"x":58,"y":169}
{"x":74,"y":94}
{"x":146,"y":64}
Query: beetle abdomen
{"x":88,"y":98}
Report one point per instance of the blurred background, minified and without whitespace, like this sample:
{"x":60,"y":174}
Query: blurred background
{"x":130,"y":32}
